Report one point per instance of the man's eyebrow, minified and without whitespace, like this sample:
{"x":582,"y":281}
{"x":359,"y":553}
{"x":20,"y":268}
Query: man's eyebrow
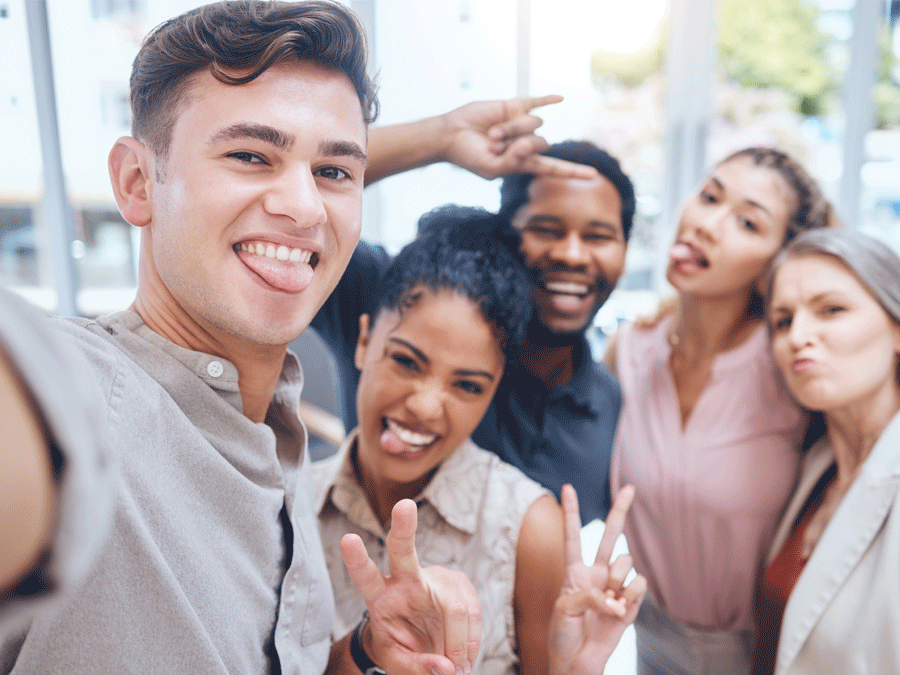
{"x":556,"y":220}
{"x":603,"y":225}
{"x":343,"y":149}
{"x":260,"y":132}
{"x":540,"y":218}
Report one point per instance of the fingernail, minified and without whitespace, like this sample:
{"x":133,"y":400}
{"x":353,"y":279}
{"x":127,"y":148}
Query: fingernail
{"x":468,"y":668}
{"x":435,"y":671}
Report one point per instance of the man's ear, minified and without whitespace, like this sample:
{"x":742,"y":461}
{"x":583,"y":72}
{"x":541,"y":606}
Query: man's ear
{"x":130,"y":167}
{"x":363,"y":342}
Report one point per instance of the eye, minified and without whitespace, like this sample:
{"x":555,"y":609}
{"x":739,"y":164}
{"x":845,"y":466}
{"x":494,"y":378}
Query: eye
{"x":332,"y":173}
{"x":598,"y":236}
{"x":831,"y":310}
{"x":247,"y":157}
{"x":544,"y":232}
{"x":707,"y":197}
{"x":749,"y":225}
{"x":405,"y":362}
{"x":781,"y":323}
{"x":470,"y":387}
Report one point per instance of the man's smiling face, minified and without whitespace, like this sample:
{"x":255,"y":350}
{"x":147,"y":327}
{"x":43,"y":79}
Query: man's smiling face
{"x":257,"y":207}
{"x":574,"y":248}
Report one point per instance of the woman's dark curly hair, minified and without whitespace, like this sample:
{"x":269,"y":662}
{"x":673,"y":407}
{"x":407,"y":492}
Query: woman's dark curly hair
{"x":460,"y":249}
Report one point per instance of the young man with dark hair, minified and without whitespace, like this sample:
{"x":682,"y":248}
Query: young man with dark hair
{"x":554,"y":415}
{"x":245,"y":175}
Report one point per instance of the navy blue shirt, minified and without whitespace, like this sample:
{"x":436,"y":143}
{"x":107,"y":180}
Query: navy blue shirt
{"x":564,"y":435}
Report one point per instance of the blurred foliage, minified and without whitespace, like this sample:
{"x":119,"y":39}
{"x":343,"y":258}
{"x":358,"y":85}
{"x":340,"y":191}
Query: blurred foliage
{"x":777,"y":43}
{"x":887,"y":90}
{"x":768,"y":45}
{"x":629,"y":69}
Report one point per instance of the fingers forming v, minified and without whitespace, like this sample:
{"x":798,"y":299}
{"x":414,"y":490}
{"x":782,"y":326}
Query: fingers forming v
{"x":363,"y":572}
{"x":572,"y":525}
{"x":615,"y":525}
{"x":401,"y":540}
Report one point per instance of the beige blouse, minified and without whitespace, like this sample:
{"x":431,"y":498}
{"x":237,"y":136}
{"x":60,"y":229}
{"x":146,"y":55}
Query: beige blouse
{"x":469,"y":520}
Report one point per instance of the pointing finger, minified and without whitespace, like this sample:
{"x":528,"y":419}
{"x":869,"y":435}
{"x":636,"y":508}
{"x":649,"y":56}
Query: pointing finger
{"x":539,"y":165}
{"x":538,"y":101}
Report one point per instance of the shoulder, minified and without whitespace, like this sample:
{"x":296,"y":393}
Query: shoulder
{"x":539,"y":550}
{"x":542,"y":527}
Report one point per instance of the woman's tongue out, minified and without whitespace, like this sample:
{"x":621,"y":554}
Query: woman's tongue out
{"x":687,"y":258}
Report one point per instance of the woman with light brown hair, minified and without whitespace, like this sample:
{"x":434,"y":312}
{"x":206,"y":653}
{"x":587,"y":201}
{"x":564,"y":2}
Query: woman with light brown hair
{"x":708,"y":434}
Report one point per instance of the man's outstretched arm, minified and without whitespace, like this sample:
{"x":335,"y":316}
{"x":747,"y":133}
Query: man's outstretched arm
{"x":488,"y":138}
{"x":28,"y":488}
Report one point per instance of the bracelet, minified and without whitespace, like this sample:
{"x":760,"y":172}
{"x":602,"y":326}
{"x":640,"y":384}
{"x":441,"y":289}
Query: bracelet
{"x":358,"y":654}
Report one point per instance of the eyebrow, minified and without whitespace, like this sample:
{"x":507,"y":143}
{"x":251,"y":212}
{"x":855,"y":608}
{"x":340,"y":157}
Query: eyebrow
{"x":823,"y":296}
{"x":751,"y":202}
{"x":421,"y":356}
{"x":259,"y":132}
{"x":343,"y":149}
{"x":555,"y":220}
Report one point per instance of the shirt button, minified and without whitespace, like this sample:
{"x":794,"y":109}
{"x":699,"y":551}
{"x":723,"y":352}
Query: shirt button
{"x":215,"y":368}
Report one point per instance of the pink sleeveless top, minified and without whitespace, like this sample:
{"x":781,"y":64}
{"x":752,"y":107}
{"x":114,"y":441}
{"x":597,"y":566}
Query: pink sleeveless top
{"x":709,"y":493}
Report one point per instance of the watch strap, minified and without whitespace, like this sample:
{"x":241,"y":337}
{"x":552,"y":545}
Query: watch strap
{"x":358,"y":654}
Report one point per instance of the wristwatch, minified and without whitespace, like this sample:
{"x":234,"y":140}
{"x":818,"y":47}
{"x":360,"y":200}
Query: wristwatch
{"x":360,"y":658}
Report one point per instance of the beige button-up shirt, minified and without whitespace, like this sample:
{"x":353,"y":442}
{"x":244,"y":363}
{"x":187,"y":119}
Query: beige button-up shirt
{"x":470,"y":514}
{"x":196,"y":576}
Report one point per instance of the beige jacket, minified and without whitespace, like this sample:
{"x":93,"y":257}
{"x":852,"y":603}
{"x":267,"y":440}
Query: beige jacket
{"x":843,"y":615}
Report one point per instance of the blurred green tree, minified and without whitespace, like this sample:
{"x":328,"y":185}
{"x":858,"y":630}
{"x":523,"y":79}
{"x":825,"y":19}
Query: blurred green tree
{"x":777,"y":43}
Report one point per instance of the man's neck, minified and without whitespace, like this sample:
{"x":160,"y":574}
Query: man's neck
{"x":259,"y":366}
{"x":554,"y":366}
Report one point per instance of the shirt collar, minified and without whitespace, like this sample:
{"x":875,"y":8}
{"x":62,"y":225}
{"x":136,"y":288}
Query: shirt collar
{"x":449,"y":492}
{"x":580,"y":387}
{"x":220,"y":374}
{"x":579,"y":390}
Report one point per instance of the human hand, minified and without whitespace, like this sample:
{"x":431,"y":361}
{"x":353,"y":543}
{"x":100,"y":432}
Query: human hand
{"x":421,"y":621}
{"x":496,"y":138}
{"x":595,"y":607}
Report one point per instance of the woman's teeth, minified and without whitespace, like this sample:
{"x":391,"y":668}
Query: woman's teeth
{"x":295,"y":255}
{"x":411,"y":437}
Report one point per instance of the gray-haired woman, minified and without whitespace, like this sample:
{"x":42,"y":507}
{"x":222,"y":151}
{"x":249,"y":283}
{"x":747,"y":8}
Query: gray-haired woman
{"x":829,"y":599}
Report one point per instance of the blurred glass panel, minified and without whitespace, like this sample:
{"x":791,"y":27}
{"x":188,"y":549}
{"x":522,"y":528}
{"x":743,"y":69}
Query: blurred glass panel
{"x":607,"y":58}
{"x":783,"y":66}
{"x":880,"y":174}
{"x":24,"y":250}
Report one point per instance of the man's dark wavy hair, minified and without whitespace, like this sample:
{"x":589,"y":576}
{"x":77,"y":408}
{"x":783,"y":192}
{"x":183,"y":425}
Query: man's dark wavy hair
{"x":236,"y":42}
{"x":458,"y":250}
{"x":514,"y":190}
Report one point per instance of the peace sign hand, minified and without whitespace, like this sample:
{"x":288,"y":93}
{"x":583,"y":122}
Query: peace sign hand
{"x":594,"y":607}
{"x":421,"y":621}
